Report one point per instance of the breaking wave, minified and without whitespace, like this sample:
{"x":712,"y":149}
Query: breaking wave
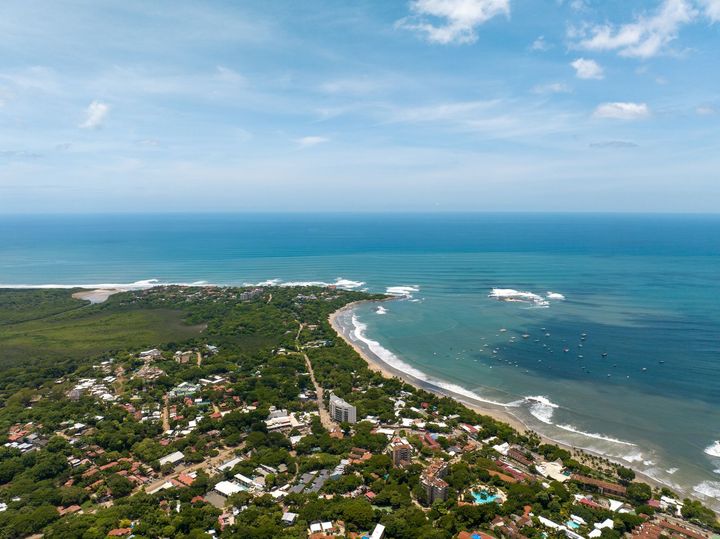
{"x":518,"y":296}
{"x":402,"y":291}
{"x":345,"y":284}
{"x":714,"y":449}
{"x":381,"y":310}
{"x":137,"y":285}
{"x":595,"y":435}
{"x":541,"y":408}
{"x":711,"y":489}
{"x":392,"y":360}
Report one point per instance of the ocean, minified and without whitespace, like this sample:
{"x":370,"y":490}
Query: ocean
{"x":614,"y":345}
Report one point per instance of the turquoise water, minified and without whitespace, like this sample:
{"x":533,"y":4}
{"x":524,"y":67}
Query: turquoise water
{"x":645,"y":290}
{"x":483,"y":497}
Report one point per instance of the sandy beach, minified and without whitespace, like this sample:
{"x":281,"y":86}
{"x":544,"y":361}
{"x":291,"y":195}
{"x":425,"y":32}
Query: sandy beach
{"x":96,"y":296}
{"x":377,"y":365}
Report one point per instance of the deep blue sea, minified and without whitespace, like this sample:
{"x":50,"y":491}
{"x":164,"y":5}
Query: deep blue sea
{"x":627,"y":364}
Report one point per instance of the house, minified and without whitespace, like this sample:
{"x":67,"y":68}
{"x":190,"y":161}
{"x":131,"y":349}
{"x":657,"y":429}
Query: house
{"x":119,"y":532}
{"x":288,"y":519}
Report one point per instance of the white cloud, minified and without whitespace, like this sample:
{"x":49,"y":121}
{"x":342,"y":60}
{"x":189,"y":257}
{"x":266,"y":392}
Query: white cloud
{"x":613,"y":144}
{"x":307,"y":142}
{"x":459,"y":18}
{"x":705,"y":110}
{"x":551,"y":88}
{"x":352,"y":86}
{"x":645,"y":37}
{"x":95,"y":115}
{"x":587,"y":69}
{"x":712,"y":9}
{"x":225,"y":74}
{"x":622,"y":111}
{"x":540,"y":45}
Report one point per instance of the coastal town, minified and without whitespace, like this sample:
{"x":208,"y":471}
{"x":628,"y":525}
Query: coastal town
{"x":267,"y":424}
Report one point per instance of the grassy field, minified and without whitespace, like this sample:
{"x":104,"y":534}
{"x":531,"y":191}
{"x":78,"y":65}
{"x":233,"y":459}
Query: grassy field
{"x":54,"y":333}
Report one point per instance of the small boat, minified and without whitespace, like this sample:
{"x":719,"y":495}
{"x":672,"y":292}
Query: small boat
{"x":644,"y":369}
{"x":525,"y":336}
{"x":566,"y":350}
{"x":604,"y":354}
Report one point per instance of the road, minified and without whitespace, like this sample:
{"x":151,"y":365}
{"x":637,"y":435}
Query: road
{"x":222,"y":456}
{"x":166,"y":415}
{"x":325,"y":419}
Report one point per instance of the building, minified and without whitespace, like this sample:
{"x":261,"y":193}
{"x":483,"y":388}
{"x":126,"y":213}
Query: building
{"x":605,"y":487}
{"x":341,"y":411}
{"x":378,"y":532}
{"x":228,"y":488}
{"x":435,"y":489}
{"x":401,"y":451}
{"x":432,"y":481}
{"x":250,"y":294}
{"x":172,"y":458}
{"x":184,"y":356}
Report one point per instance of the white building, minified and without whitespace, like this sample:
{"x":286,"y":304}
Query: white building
{"x":341,"y":411}
{"x":172,"y":458}
{"x":228,"y":488}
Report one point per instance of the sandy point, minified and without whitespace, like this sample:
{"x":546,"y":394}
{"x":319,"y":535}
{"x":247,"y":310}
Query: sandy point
{"x":96,"y":296}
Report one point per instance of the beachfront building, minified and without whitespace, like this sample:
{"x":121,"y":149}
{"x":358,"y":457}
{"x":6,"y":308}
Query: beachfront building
{"x":401,"y":451}
{"x":341,"y":411}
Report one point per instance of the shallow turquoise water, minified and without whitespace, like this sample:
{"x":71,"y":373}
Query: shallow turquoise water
{"x":644,"y":289}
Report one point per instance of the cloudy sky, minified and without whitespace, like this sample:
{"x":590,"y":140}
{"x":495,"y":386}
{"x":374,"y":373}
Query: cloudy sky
{"x":443,"y":105}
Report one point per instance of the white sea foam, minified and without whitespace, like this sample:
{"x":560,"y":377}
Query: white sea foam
{"x":345,"y":284}
{"x":541,"y":408}
{"x":714,"y":449}
{"x":711,"y":489}
{"x":716,"y":470}
{"x":392,"y":360}
{"x":381,"y":310}
{"x":595,"y":435}
{"x":404,"y":290}
{"x":512,"y":295}
{"x":137,"y":285}
{"x":555,"y":296}
{"x":633,"y":457}
{"x":671,"y":471}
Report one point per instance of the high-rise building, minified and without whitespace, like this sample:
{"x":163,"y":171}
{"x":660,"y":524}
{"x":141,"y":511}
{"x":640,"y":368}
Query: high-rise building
{"x":432,"y":481}
{"x":401,"y":451}
{"x":341,"y":411}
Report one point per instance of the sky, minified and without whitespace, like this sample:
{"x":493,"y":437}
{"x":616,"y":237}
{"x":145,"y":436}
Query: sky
{"x":378,"y":105}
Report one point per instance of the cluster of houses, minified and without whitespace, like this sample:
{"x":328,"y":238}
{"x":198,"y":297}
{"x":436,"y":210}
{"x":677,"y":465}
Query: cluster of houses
{"x":24,"y":438}
{"x":97,"y":388}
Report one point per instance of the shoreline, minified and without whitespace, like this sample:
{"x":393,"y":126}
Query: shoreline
{"x":99,"y":295}
{"x":376,"y":364}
